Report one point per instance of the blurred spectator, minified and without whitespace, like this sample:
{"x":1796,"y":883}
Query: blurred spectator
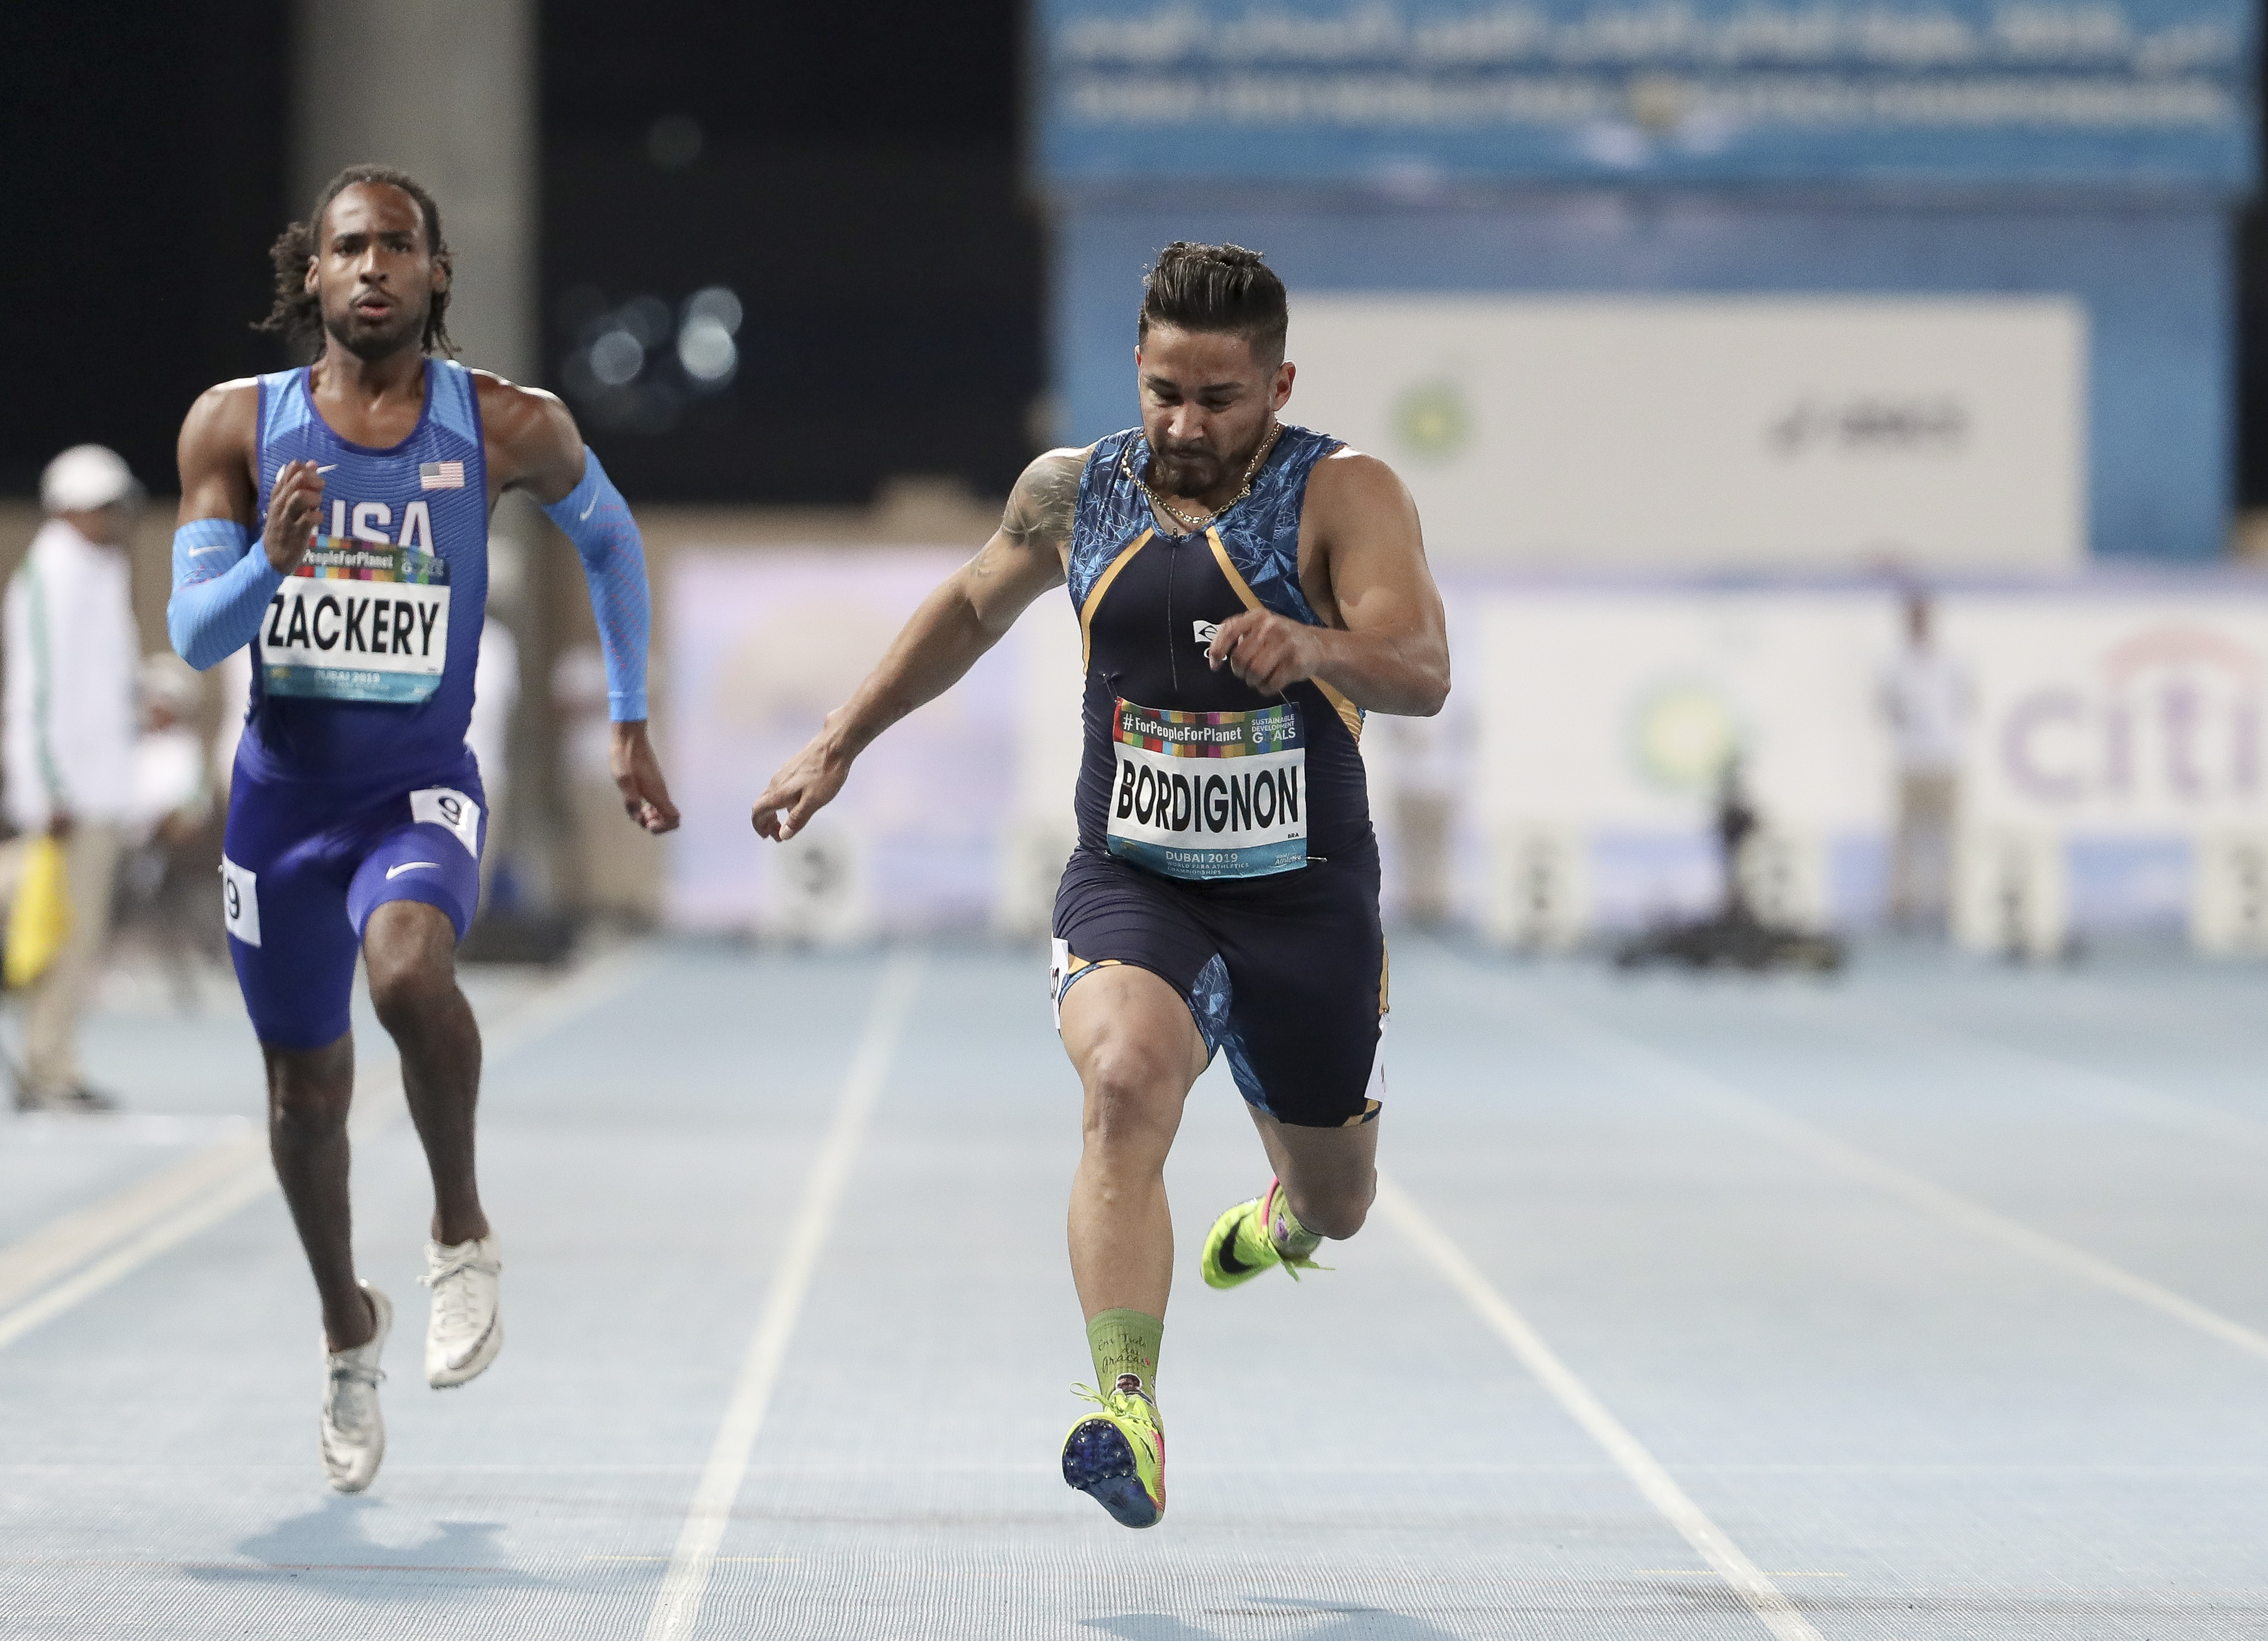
{"x":173,"y":781}
{"x":1928,"y":699}
{"x":66,"y":734}
{"x":173,"y":843}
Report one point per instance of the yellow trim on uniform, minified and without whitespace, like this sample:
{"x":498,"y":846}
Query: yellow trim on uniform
{"x":1349,"y":713}
{"x":1094,"y":597}
{"x":1077,"y":969}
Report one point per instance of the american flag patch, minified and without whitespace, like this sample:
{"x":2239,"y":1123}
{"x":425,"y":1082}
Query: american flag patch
{"x":440,"y":475}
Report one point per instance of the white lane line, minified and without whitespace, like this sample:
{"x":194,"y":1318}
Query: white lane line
{"x":1699,"y":1089}
{"x":109,"y":1239}
{"x":33,"y":1261}
{"x":1659,"y":1488}
{"x":679,"y":1602}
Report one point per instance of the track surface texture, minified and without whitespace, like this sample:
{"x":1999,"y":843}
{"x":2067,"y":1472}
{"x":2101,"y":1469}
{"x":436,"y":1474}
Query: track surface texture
{"x":1926,"y":1303}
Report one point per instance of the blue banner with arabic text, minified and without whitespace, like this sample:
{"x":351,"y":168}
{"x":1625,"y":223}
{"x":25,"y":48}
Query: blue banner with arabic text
{"x":1418,"y":93}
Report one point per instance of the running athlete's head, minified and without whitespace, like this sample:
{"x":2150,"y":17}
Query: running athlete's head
{"x":1210,"y":358}
{"x":368,"y":270}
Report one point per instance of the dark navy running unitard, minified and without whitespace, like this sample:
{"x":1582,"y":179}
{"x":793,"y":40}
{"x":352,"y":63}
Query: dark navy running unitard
{"x":1225,"y":841}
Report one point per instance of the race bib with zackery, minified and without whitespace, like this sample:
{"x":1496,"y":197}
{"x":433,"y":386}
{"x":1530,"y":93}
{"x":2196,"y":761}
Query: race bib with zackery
{"x":358,"y":621}
{"x":1209,"y":794}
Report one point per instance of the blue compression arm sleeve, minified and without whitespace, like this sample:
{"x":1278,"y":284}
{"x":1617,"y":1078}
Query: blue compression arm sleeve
{"x":221,"y":589}
{"x":597,"y":520}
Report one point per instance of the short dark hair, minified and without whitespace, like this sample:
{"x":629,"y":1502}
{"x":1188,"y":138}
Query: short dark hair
{"x":297,"y":314}
{"x":1220,"y":288}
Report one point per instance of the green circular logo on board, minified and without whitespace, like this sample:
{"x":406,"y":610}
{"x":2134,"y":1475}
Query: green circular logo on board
{"x":1683,"y":734}
{"x":1431,"y":420}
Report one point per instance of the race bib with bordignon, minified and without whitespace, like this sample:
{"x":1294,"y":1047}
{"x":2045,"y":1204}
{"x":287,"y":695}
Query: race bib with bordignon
{"x":1209,"y":794}
{"x":358,"y":621}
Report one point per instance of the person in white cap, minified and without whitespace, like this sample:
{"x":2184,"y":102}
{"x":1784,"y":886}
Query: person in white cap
{"x":66,"y":732}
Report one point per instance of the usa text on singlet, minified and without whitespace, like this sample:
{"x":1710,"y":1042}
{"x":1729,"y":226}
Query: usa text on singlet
{"x":1209,"y":794}
{"x":358,"y":621}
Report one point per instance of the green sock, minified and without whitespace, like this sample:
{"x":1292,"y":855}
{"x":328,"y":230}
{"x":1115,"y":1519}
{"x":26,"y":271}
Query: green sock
{"x":1125,"y":1341}
{"x":1293,"y":1239}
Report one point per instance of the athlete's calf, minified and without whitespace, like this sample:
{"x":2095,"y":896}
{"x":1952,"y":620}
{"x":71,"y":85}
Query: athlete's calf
{"x":410,"y":949}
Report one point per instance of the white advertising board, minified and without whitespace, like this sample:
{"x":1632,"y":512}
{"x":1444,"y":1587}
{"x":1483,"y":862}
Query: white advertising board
{"x":1692,"y":433}
{"x":2123,"y":729}
{"x":2118,"y":734}
{"x":2127,"y":717}
{"x":1605,"y":719}
{"x":763,"y":644}
{"x":1616,"y":710}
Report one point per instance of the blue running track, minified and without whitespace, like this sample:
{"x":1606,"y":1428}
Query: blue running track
{"x":1933,"y":1303}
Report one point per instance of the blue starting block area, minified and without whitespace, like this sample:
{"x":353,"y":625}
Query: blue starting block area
{"x":1927,"y":1303}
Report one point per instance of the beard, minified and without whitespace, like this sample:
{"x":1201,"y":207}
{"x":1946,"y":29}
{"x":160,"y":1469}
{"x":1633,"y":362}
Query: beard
{"x":1191,"y":470}
{"x":401,"y":329}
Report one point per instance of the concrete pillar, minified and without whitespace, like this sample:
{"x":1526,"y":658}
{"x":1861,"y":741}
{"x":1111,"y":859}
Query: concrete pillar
{"x":445,"y":91}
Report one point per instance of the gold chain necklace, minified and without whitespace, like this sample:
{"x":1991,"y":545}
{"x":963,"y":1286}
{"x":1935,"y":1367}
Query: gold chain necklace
{"x":1126,"y":465}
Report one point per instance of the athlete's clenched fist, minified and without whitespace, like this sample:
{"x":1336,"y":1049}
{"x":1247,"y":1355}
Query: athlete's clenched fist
{"x":295,"y":508}
{"x":804,"y":784}
{"x":1268,"y":651}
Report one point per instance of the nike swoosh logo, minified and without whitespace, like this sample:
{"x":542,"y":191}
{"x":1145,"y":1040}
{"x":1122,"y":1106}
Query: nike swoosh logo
{"x":199,"y":552}
{"x":327,"y":469}
{"x":1229,"y":1263}
{"x":411,"y":866}
{"x":588,"y":511}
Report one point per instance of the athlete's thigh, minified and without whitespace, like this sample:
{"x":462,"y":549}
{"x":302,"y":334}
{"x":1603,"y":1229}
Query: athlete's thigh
{"x":1125,"y":1027}
{"x":1306,"y":969}
{"x":1133,"y":975}
{"x":286,"y":859}
{"x":427,"y":847}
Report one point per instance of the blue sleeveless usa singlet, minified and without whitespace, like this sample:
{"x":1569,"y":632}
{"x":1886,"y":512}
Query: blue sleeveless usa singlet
{"x":364,"y":666}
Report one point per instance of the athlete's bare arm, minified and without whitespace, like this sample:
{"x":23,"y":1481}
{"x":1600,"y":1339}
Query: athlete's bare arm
{"x":1362,"y":566}
{"x":215,"y":456}
{"x":531,"y":444}
{"x":531,"y":439}
{"x":958,"y":622}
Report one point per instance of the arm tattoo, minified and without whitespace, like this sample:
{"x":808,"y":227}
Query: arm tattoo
{"x":1040,"y":508}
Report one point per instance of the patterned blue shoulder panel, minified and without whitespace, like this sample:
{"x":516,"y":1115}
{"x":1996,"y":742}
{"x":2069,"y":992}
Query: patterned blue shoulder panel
{"x":1262,"y":532}
{"x":1111,"y":512}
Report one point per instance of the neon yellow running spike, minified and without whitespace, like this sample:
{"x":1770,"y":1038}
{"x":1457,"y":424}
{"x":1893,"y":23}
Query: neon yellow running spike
{"x":1241,"y":1244}
{"x":1117,"y":1457}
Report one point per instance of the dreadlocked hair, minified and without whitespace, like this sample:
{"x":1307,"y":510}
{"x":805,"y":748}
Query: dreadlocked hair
{"x":297,"y":314}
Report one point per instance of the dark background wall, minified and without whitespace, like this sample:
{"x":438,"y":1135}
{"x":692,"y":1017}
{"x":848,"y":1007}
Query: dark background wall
{"x":141,"y":177}
{"x":850,"y":174}
{"x":854,"y":182}
{"x":855,"y":185}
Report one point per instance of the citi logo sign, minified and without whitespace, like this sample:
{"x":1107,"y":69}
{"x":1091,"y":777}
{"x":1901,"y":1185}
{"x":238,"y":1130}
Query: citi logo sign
{"x":2177,"y":716}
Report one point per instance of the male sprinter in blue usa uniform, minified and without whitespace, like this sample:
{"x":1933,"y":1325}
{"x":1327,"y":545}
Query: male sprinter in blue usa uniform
{"x":1246,"y":590}
{"x":335,"y":518}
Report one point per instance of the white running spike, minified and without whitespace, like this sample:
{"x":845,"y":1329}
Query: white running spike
{"x":466,"y":1327}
